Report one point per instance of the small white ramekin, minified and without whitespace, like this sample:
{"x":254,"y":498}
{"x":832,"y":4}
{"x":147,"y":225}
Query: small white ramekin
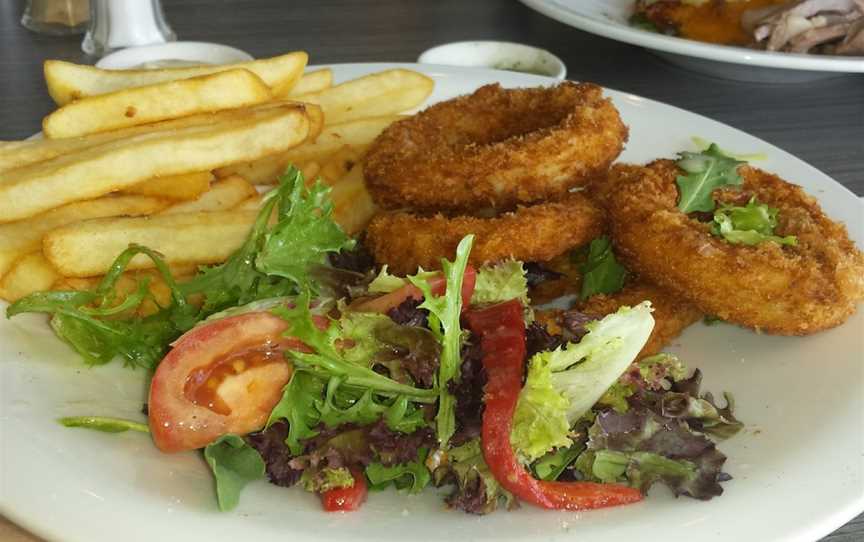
{"x":500,"y":55}
{"x":189,"y":51}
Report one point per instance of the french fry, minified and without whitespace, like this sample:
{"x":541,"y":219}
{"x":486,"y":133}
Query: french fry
{"x":353,"y":207}
{"x":383,"y":93}
{"x":310,"y":174}
{"x":310,"y":171}
{"x":116,"y":165}
{"x":222,"y":196}
{"x":312,"y":82}
{"x":153,"y":103}
{"x":11,"y":145}
{"x":127,"y":284}
{"x":316,"y":122}
{"x":20,"y":238}
{"x":338,"y":164}
{"x":40,"y":150}
{"x":251,"y":204}
{"x":186,"y":186}
{"x":31,"y":273}
{"x":68,"y":82}
{"x":357,"y":133}
{"x":87,"y":249}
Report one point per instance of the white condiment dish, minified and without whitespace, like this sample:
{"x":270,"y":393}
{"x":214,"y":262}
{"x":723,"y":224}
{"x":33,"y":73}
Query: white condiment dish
{"x":499,"y":55}
{"x":188,"y":52}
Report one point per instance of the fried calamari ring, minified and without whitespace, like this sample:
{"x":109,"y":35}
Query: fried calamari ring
{"x":672,"y":313}
{"x":495,"y":148}
{"x":405,"y":241}
{"x":786,"y":290}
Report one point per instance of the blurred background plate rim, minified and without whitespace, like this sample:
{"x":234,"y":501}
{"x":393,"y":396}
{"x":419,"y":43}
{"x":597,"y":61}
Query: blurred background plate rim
{"x":586,"y":16}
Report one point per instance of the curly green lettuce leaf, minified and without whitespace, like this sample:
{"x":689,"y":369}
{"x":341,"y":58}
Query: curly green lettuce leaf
{"x":333,"y":388}
{"x":362,"y":330}
{"x":540,"y":422}
{"x":359,"y":377}
{"x":302,"y":325}
{"x":104,"y":424}
{"x":321,"y":480}
{"x":601,"y":272}
{"x":412,"y":476}
{"x":384,"y":282}
{"x":100,"y":329}
{"x":501,"y":282}
{"x":298,"y":407}
{"x":444,"y":314}
{"x":751,"y":224}
{"x":341,"y":406}
{"x":563,"y":384}
{"x":328,"y":361}
{"x":305,"y":231}
{"x":275,"y":260}
{"x":234,"y":464}
{"x":308,"y":401}
{"x":476,"y":491}
{"x":704,"y":171}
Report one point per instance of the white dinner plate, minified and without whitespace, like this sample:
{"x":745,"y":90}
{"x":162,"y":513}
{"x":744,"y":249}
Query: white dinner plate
{"x":609,"y":18}
{"x":797,"y":466}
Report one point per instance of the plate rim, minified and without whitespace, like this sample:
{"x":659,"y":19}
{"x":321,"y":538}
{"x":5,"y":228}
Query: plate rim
{"x":671,"y":44}
{"x":824,"y":527}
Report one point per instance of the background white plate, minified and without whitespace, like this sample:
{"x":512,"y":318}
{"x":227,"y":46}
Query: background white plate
{"x":608,"y":18}
{"x":798,"y":465}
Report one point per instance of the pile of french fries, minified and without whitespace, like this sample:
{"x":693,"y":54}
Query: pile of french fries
{"x":178,"y":159}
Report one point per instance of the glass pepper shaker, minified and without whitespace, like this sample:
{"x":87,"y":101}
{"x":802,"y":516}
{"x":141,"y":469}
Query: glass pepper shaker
{"x":117,"y":24}
{"x":56,"y":17}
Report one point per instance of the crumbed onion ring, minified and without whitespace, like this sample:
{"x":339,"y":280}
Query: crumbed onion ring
{"x":495,"y":148}
{"x":672,"y":313}
{"x":405,"y":241}
{"x":786,"y":290}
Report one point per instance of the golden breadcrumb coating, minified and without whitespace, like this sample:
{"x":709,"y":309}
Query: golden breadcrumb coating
{"x":405,"y":241}
{"x":785,"y":290}
{"x":495,"y":148}
{"x":672,"y":313}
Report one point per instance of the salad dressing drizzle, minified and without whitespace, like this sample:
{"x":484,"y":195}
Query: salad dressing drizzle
{"x":203,"y":383}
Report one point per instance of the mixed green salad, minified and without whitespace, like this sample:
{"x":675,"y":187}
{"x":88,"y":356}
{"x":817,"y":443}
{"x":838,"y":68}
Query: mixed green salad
{"x":298,"y":361}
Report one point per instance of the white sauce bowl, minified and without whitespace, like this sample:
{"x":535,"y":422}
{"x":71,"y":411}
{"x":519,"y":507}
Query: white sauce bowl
{"x":499,"y":55}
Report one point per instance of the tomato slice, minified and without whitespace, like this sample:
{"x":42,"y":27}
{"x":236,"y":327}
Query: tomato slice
{"x":346,"y":499}
{"x":384,"y":303}
{"x":222,"y":377}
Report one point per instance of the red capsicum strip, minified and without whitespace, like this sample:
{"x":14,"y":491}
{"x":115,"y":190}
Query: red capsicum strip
{"x":346,"y":499}
{"x":501,"y":329}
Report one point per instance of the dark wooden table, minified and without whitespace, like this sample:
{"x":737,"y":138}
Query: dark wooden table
{"x":821,"y":122}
